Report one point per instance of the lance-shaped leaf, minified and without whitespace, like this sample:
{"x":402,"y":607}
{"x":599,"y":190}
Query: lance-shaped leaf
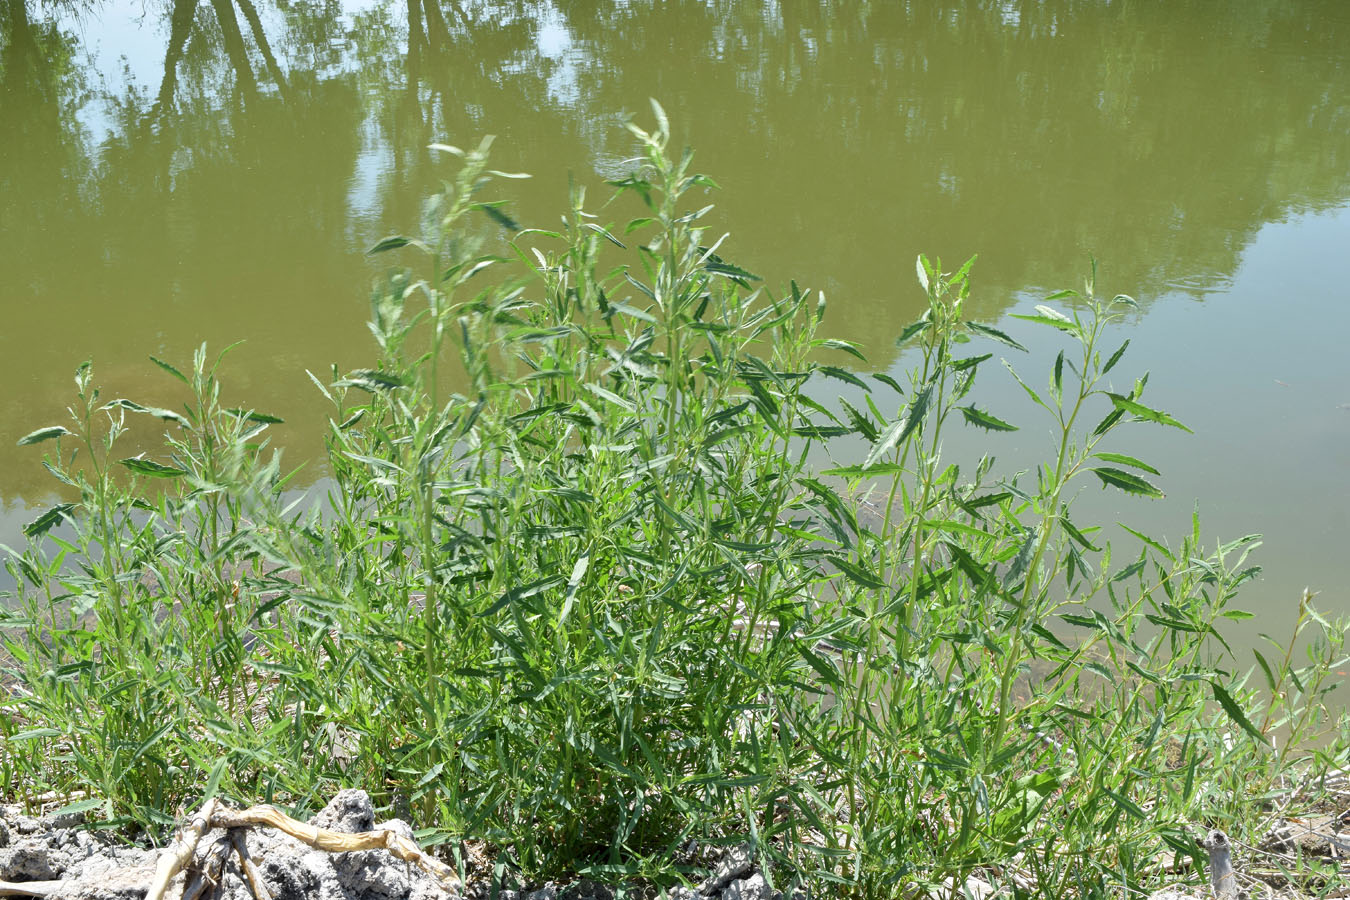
{"x":994,"y":334}
{"x":152,"y":469}
{"x":158,"y":412}
{"x":901,"y":428}
{"x":982,"y":419}
{"x":1127,"y":481}
{"x":1125,"y":460}
{"x":44,"y":522}
{"x":1125,"y":404}
{"x":1234,"y":711}
{"x":370,"y":380}
{"x":42,"y":434}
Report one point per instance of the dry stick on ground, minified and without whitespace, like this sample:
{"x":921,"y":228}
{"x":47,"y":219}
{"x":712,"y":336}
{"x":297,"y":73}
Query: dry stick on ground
{"x":213,"y":815}
{"x":255,"y":879}
{"x":30,"y":888}
{"x":211,"y":870}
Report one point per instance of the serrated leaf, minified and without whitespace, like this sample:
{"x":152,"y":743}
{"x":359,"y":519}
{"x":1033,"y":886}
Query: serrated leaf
{"x":42,"y":434}
{"x":260,"y":418}
{"x":847,"y":346}
{"x":858,"y":574}
{"x":170,"y":369}
{"x":910,"y":330}
{"x":960,"y":365}
{"x":1127,"y":481}
{"x":1115,"y":358}
{"x":721,"y":267}
{"x":44,"y":523}
{"x":151,"y":469}
{"x":1125,"y":404}
{"x":901,"y":428}
{"x":1234,"y":711}
{"x":985,"y":420}
{"x":370,"y":380}
{"x":994,"y":334}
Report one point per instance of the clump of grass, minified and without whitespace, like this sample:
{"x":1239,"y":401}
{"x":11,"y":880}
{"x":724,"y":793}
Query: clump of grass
{"x":575,"y":590}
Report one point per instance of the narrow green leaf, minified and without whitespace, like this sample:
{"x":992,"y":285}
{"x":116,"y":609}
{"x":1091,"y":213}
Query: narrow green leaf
{"x":260,"y":418}
{"x":43,"y":523}
{"x":857,"y":573}
{"x":574,"y":582}
{"x":79,"y":806}
{"x":370,"y":380}
{"x":606,"y":235}
{"x":170,"y":369}
{"x":1058,"y":320}
{"x":901,"y":428}
{"x":910,"y":330}
{"x":152,"y":469}
{"x":960,"y":365}
{"x":878,"y":469}
{"x":213,"y":779}
{"x":158,"y":412}
{"x":1115,"y":358}
{"x":42,"y":434}
{"x":1126,"y":804}
{"x":1127,"y":481}
{"x":1035,"y":397}
{"x":982,"y":419}
{"x":1126,"y":461}
{"x":1022,"y":561}
{"x":994,"y":334}
{"x":1234,"y":711}
{"x":389,"y":243}
{"x":1125,"y":404}
{"x":1265,"y":669}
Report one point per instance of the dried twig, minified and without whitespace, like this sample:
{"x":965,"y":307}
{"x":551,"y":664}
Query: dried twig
{"x":29,"y":888}
{"x":178,"y":853}
{"x":255,"y":879}
{"x":213,"y":815}
{"x":208,"y":876}
{"x":339,"y":842}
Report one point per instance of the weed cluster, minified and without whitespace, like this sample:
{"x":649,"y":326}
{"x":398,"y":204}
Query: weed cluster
{"x":576,"y":590}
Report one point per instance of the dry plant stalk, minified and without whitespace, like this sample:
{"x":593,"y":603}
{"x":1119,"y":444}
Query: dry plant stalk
{"x":213,"y":815}
{"x":29,"y":888}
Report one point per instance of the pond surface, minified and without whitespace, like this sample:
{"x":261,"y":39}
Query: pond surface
{"x":176,"y":171}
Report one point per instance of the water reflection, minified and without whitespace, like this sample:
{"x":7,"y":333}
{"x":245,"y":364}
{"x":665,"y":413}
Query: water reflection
{"x":224,"y":181}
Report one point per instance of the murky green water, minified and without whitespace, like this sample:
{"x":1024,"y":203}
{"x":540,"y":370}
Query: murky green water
{"x":174,"y":171}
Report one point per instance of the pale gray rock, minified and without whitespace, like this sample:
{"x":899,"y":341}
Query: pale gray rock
{"x":752,"y":888}
{"x":548,"y":892}
{"x":4,"y":834}
{"x":736,"y":863}
{"x":28,"y":860}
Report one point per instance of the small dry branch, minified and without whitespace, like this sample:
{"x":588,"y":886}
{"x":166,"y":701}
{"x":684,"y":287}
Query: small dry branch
{"x":213,"y":815}
{"x":29,"y":888}
{"x":181,"y":851}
